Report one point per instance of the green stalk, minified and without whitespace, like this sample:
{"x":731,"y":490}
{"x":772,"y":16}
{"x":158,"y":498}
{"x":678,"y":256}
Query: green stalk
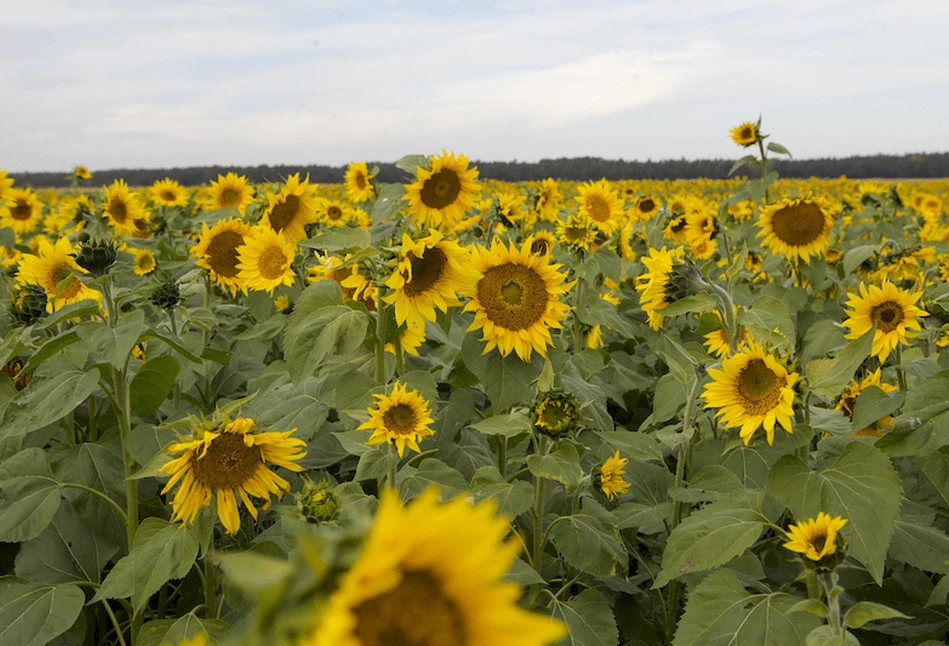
{"x":900,"y":373}
{"x":399,"y":355}
{"x":176,"y":388}
{"x":502,"y":456}
{"x":537,"y":549}
{"x":210,"y":586}
{"x":380,"y":341}
{"x":393,"y":467}
{"x":577,"y":325}
{"x":764,"y":168}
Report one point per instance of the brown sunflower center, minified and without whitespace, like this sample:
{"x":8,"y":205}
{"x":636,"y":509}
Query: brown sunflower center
{"x":747,"y":132}
{"x":540,"y":247}
{"x":758,"y":387}
{"x":222,"y":253}
{"x":887,"y":315}
{"x":425,"y":271}
{"x":334,"y":213}
{"x":678,"y":225}
{"x":598,"y":208}
{"x":228,"y":462}
{"x":798,"y":225}
{"x":514,"y":297}
{"x":284,"y":213}
{"x":229,"y":197}
{"x":21,"y":211}
{"x":360,"y":180}
{"x":119,"y":210}
{"x":417,"y":612}
{"x":555,"y":416}
{"x":272,"y":262}
{"x":146,"y":262}
{"x":819,"y":541}
{"x":847,"y":404}
{"x":441,"y":189}
{"x":400,"y":419}
{"x":647,"y":205}
{"x":169,"y":196}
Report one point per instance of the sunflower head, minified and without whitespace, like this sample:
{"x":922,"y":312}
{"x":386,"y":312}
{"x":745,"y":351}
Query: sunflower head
{"x":796,"y":229}
{"x":577,"y":233}
{"x":27,"y":304}
{"x":81,"y":173}
{"x":316,"y":502}
{"x":746,"y":134}
{"x":217,"y":251}
{"x":444,"y":192}
{"x":849,"y":398}
{"x":819,"y":542}
{"x":358,"y":183}
{"x":891,"y":310}
{"x":167,"y":295}
{"x":668,"y":279}
{"x":401,"y":418}
{"x":611,"y":474}
{"x":541,"y":243}
{"x":556,"y":413}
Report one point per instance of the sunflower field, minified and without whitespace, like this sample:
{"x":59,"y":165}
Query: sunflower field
{"x":460,"y":412}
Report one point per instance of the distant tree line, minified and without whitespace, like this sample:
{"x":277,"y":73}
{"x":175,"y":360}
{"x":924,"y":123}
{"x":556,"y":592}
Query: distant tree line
{"x":926,"y":165}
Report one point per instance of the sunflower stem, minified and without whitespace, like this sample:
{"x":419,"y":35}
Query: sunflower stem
{"x":380,"y":340}
{"x":577,"y":325}
{"x":728,"y":312}
{"x":176,"y":388}
{"x":399,"y":356}
{"x":210,"y":586}
{"x":537,"y":550}
{"x":900,"y":373}
{"x":764,"y":169}
{"x":834,"y":620}
{"x":393,"y":467}
{"x":502,"y":456}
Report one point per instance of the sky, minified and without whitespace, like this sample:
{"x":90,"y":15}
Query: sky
{"x":172,"y":83}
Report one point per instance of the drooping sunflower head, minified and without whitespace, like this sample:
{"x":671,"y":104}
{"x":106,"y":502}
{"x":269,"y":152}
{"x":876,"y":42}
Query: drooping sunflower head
{"x":21,"y":210}
{"x":432,"y":574}
{"x":676,"y":229}
{"x":817,"y":539}
{"x":796,"y":229}
{"x":752,"y":390}
{"x":14,"y":370}
{"x":658,"y":286}
{"x":123,"y":207}
{"x":97,"y":256}
{"x":577,"y":233}
{"x":291,"y":209}
{"x":54,"y":268}
{"x":216,"y":251}
{"x":358,"y":183}
{"x":517,"y":299}
{"x":401,"y":418}
{"x":81,"y":173}
{"x":27,"y":304}
{"x":265,"y":259}
{"x":432,"y":271}
{"x":745,"y":134}
{"x":228,"y":459}
{"x":441,"y":195}
{"x":512,"y":206}
{"x":556,"y":413}
{"x":168,"y":192}
{"x":143,"y":262}
{"x":611,"y":478}
{"x":229,"y":191}
{"x":600,"y":202}
{"x":892,"y":310}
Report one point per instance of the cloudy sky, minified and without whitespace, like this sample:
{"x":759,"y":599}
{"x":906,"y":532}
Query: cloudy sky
{"x":124,"y":83}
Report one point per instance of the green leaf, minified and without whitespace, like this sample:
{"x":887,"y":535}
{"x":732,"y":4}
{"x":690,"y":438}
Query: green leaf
{"x":48,"y":401}
{"x":513,"y":498}
{"x":375,"y":464}
{"x":161,"y":551}
{"x":522,"y":574}
{"x":637,"y":446}
{"x":778,"y":148}
{"x":864,"y":611}
{"x":589,"y":619}
{"x":176,"y":631}
{"x":812,"y":606}
{"x":33,"y":615}
{"x":319,"y":327}
{"x":589,"y":540}
{"x":341,"y":239}
{"x":713,"y":482}
{"x":700,"y":302}
{"x":563,"y":466}
{"x":857,"y":255}
{"x":432,"y":472}
{"x":506,"y":380}
{"x":174,"y":343}
{"x":824,"y":636}
{"x":828,"y":377}
{"x":152,"y":383}
{"x":411,"y":163}
{"x":747,"y":159}
{"x":769,"y":320}
{"x":98,"y":467}
{"x":51,"y":348}
{"x":738,"y":263}
{"x":670,"y":395}
{"x":922,"y":546}
{"x":720,"y":612}
{"x":873,"y":404}
{"x":87,"y":307}
{"x":510,"y":425}
{"x":861,"y":486}
{"x":27,"y":506}
{"x":710,"y":537}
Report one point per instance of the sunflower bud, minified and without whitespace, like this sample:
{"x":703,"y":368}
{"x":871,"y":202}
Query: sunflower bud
{"x":27,"y":305}
{"x":166,"y":295}
{"x":556,"y":413}
{"x":97,"y":257}
{"x":317,"y":503}
{"x":684,"y":280}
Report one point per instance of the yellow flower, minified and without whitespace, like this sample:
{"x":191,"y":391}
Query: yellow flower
{"x":600,"y":202}
{"x":547,"y":201}
{"x":517,"y":300}
{"x":815,"y":538}
{"x":144,"y":262}
{"x":611,"y":476}
{"x":676,"y":230}
{"x":21,"y":210}
{"x":796,"y":229}
{"x":400,"y":418}
{"x":411,"y":338}
{"x":431,"y":273}
{"x":440,"y":197}
{"x":123,"y":208}
{"x":654,"y":283}
{"x":265,"y":259}
{"x":54,"y":269}
{"x":541,"y":242}
{"x":433,"y":574}
{"x":81,"y":172}
{"x":282,"y":303}
{"x":334,"y":213}
{"x":216,"y":251}
{"x":646,"y":208}
{"x":890,"y":309}
{"x":745,"y":135}
{"x":290,"y":210}
{"x":168,"y":192}
{"x":752,"y":390}
{"x":229,"y":459}
{"x":577,"y":232}
{"x":849,"y":397}
{"x":354,"y":285}
{"x":230,"y":191}
{"x":359,"y":183}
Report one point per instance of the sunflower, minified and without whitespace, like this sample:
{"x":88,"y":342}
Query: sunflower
{"x":143,"y":262}
{"x":411,"y":339}
{"x":717,"y":341}
{"x":21,"y":210}
{"x":655,"y":284}
{"x":892,"y":310}
{"x":676,"y":230}
{"x":751,"y":390}
{"x":556,"y":413}
{"x":745,"y":135}
{"x":265,"y":259}
{"x":225,"y":459}
{"x":6,"y":183}
{"x":577,"y":232}
{"x":547,"y":201}
{"x":815,"y":538}
{"x":354,"y":285}
{"x":431,"y":273}
{"x":400,"y":418}
{"x":230,"y":191}
{"x":626,"y":236}
{"x":517,"y":300}
{"x":291,"y":209}
{"x":511,"y":206}
{"x":433,"y":574}
{"x":646,"y":208}
{"x":168,"y":192}
{"x":358,"y":183}
{"x":283,"y":304}
{"x":216,"y":251}
{"x":54,"y":269}
{"x":81,"y":173}
{"x":334,"y":213}
{"x":541,"y":242}
{"x":599,"y":202}
{"x":796,"y":229}
{"x":611,"y":476}
{"x":441,"y":196}
{"x":123,"y":208}
{"x":849,"y":397}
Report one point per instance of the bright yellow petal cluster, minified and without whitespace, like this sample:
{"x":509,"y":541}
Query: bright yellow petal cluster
{"x":745,"y":134}
{"x":815,"y":538}
{"x":653,"y":284}
{"x":892,"y":310}
{"x":441,"y":196}
{"x":290,"y":210}
{"x":611,"y":476}
{"x":230,"y":191}
{"x":600,"y":202}
{"x":358,"y":183}
{"x":401,"y":418}
{"x":217,"y":249}
{"x":796,"y":229}
{"x":54,"y":268}
{"x":265,"y":259}
{"x":124,"y":209}
{"x":143,"y":262}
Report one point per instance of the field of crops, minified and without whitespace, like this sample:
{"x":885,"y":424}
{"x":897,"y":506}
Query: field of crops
{"x":462,"y":412}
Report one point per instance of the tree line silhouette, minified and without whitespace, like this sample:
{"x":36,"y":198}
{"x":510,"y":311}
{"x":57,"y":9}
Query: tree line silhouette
{"x":921,"y":165}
